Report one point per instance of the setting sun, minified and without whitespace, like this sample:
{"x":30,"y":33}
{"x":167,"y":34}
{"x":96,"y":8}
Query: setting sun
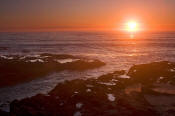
{"x":132,"y":26}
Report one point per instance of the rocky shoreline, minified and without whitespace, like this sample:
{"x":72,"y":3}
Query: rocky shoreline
{"x":147,"y":89}
{"x":16,"y":69}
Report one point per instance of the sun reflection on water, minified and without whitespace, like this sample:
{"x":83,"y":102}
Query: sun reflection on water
{"x":131,"y":36}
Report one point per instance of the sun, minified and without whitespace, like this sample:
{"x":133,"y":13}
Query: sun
{"x":132,"y":26}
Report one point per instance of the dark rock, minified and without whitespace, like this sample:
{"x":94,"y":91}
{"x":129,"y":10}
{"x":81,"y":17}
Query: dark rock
{"x":91,"y":94}
{"x":151,"y":73}
{"x":136,"y":105}
{"x":15,"y":69}
{"x":170,"y":113}
{"x":3,"y":113}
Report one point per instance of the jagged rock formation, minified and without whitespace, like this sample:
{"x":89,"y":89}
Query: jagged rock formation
{"x":15,"y":69}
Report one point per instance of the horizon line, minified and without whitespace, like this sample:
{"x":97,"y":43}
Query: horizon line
{"x":78,"y":29}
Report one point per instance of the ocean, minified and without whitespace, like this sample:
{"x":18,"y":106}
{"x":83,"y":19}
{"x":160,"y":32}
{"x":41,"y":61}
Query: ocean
{"x":118,"y":50}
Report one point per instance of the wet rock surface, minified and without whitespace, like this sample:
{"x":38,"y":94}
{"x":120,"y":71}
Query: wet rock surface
{"x":156,"y":72}
{"x":15,"y":69}
{"x":115,"y":94}
{"x":3,"y":113}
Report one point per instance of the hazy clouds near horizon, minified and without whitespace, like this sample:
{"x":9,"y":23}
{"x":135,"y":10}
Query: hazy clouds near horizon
{"x":16,"y":14}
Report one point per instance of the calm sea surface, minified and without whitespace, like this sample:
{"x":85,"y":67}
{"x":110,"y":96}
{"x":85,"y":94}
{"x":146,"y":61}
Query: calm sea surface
{"x":118,"y":50}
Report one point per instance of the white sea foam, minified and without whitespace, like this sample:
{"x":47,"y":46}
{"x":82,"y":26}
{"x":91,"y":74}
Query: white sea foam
{"x":114,"y":80}
{"x":5,"y":57}
{"x":161,"y":78}
{"x":88,"y":90}
{"x":79,"y":105}
{"x":36,"y":60}
{"x":77,"y":113}
{"x":108,"y":83}
{"x":172,"y":70}
{"x":66,"y":60}
{"x":124,"y":76}
{"x":75,"y":92}
{"x":111,"y":97}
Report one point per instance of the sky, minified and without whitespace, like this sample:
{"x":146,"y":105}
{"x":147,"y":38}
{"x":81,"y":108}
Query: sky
{"x":27,"y":15}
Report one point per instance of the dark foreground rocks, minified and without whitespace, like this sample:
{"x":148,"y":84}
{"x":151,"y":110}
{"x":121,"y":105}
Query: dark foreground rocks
{"x":15,"y":69}
{"x":92,"y":97}
{"x":3,"y":113}
{"x":115,"y":94}
{"x":156,"y":72}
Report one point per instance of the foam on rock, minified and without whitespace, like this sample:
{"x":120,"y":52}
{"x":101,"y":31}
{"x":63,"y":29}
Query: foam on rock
{"x":15,"y":69}
{"x":111,"y":97}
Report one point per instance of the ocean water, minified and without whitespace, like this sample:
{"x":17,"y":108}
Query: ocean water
{"x":118,"y":50}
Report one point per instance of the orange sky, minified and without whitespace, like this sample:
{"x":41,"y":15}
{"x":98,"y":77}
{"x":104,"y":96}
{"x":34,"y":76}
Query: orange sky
{"x":20,"y":15}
